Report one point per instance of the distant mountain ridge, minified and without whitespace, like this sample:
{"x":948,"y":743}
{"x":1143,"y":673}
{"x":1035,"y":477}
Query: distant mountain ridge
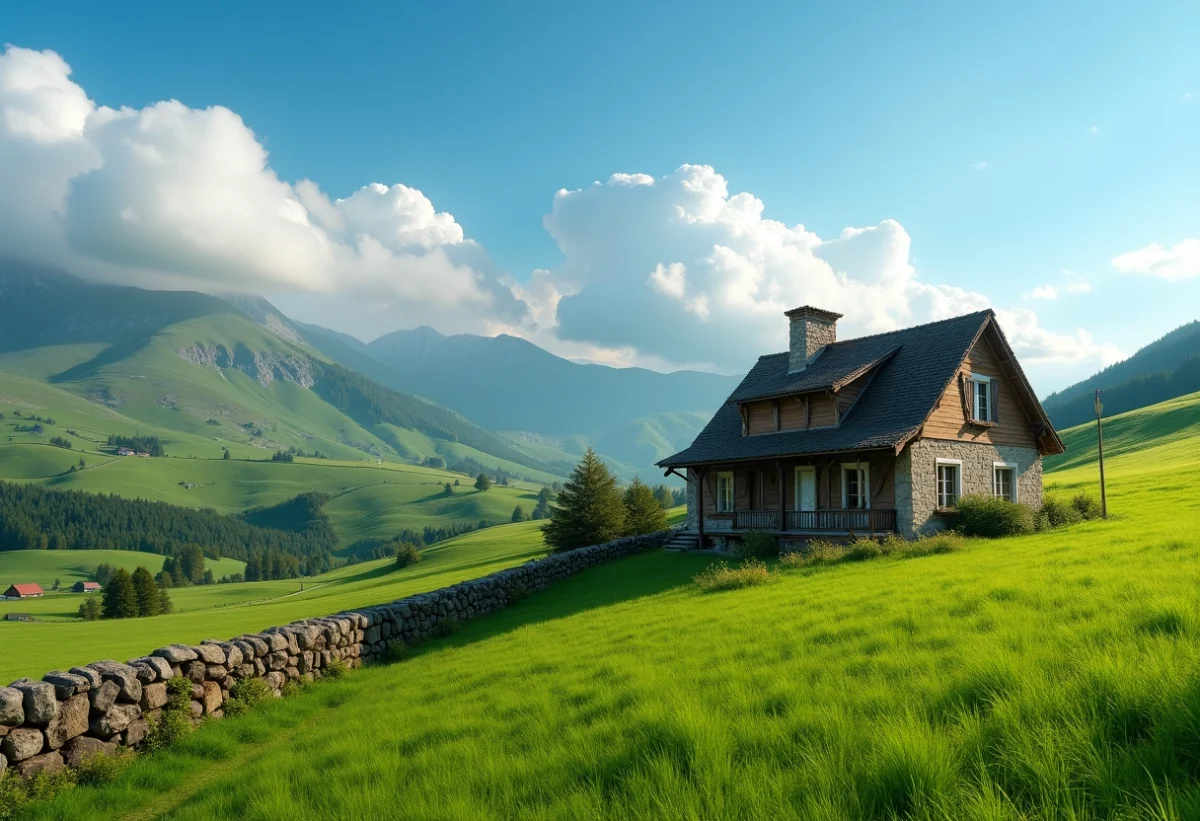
{"x":202,"y":364}
{"x":1166,"y":368}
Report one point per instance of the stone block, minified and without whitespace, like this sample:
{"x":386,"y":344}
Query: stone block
{"x":71,"y":721}
{"x":212,"y":696}
{"x":115,"y":720}
{"x":88,"y":673}
{"x":136,"y":732}
{"x":78,"y":750}
{"x":125,"y":678}
{"x":154,"y":696}
{"x":22,"y":743}
{"x":104,"y":697}
{"x":210,"y":653}
{"x":12,"y":706}
{"x":176,"y":653}
{"x":66,"y":684}
{"x":39,"y":700}
{"x":44,"y":764}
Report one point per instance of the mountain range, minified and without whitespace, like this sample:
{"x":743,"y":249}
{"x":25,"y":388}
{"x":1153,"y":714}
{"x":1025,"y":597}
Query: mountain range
{"x":202,"y":364}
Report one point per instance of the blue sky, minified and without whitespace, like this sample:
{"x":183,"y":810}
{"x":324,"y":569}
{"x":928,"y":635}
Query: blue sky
{"x":1010,"y":143}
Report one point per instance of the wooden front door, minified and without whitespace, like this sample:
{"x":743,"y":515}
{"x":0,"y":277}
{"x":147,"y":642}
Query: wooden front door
{"x":806,"y":488}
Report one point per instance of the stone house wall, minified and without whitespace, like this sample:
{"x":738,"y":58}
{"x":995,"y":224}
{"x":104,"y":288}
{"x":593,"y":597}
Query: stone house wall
{"x":71,"y":715}
{"x":916,"y":478}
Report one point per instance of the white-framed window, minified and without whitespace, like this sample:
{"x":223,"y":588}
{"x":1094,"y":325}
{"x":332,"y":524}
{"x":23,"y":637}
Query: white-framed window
{"x":856,"y":486}
{"x":725,"y":492}
{"x":1004,"y":480}
{"x":984,"y":398}
{"x":949,"y":482}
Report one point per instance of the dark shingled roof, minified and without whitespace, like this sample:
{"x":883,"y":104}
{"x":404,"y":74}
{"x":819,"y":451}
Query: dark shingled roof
{"x":914,"y":367}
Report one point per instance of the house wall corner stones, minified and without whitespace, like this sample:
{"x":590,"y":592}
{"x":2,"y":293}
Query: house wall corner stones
{"x":916,"y":478}
{"x":693,"y":518}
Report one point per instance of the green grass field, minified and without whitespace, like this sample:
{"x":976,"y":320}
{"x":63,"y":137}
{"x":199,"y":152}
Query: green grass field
{"x":1052,"y":676}
{"x":33,"y":648}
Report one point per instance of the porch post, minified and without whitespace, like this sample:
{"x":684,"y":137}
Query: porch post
{"x":782,"y":496}
{"x":700,"y":506}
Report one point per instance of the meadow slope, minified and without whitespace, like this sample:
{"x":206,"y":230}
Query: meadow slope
{"x":1052,"y":676}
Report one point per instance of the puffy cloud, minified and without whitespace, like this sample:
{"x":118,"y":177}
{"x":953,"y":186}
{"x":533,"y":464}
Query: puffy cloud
{"x":170,"y":196}
{"x":656,"y":265}
{"x":1034,"y":344}
{"x":1179,"y":262}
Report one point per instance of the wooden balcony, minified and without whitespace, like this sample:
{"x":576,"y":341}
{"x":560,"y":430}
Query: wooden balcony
{"x":808,"y":521}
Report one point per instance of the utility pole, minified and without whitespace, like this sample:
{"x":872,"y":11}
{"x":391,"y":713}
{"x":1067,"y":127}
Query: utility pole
{"x":1100,"y":450}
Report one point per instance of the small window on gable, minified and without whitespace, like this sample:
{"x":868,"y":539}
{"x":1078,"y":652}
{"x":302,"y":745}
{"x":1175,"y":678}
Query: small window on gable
{"x":725,"y":492}
{"x":949,"y":482}
{"x":1004,"y":481}
{"x":980,"y":398}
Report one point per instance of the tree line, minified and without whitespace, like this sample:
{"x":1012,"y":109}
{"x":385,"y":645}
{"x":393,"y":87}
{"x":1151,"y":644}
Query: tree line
{"x":140,"y":444}
{"x":126,"y":596}
{"x":34,"y":518}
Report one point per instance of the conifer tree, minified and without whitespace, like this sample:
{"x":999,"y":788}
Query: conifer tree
{"x":482,"y":482}
{"x":165,"y":604}
{"x":664,"y":496}
{"x":519,"y":515}
{"x":120,"y":599}
{"x":146,"y":591}
{"x":643,"y":513}
{"x":588,"y":510}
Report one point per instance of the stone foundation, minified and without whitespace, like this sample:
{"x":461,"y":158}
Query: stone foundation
{"x":71,"y":715}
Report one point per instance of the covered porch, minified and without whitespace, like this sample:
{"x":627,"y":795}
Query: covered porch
{"x":827,"y":495}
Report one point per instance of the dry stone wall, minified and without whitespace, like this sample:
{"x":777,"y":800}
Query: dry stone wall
{"x":71,"y":715}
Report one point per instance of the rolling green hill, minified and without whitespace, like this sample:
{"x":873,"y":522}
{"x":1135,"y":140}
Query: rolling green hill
{"x":70,"y":566}
{"x":1050,"y":676}
{"x":1164,"y":369}
{"x":197,"y":366}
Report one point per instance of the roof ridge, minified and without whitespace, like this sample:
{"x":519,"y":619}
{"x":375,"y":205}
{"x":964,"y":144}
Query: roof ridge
{"x":896,"y":331}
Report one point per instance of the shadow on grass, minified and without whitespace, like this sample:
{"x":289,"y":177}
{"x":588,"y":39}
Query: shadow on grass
{"x":623,"y":580}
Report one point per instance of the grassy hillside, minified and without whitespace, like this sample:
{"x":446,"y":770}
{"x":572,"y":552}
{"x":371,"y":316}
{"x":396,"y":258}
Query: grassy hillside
{"x":380,"y":498}
{"x":1164,"y":369}
{"x":34,"y":648}
{"x":1043,"y":677}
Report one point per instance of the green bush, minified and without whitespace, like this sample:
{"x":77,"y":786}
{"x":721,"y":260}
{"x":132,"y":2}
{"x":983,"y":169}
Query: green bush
{"x":446,"y":627}
{"x":820,"y":552}
{"x":792,"y":559}
{"x":991,"y":518}
{"x":407,"y":554}
{"x":863,"y":549}
{"x":1088,"y":507}
{"x":721,"y":576}
{"x":939,"y":543}
{"x":244,"y":694}
{"x":336,"y":668}
{"x":757,"y":543}
{"x":1060,"y":514}
{"x":179,"y":694}
{"x":100,"y":768}
{"x":293,"y":687}
{"x":16,"y":794}
{"x":166,"y":729}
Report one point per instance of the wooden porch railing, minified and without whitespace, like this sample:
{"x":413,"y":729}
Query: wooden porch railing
{"x":859,"y":521}
{"x":756,"y":520}
{"x":814,"y":521}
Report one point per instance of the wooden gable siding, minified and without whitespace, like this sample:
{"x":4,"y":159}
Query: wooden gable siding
{"x":761,"y":415}
{"x":948,"y":420}
{"x":848,"y":395}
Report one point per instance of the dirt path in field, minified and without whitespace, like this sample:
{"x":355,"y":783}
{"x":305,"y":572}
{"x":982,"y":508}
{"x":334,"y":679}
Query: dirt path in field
{"x":179,"y":794}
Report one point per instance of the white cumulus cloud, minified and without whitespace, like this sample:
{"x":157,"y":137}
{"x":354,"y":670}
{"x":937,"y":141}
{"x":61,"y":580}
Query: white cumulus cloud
{"x":172,"y":196}
{"x":1182,"y":261}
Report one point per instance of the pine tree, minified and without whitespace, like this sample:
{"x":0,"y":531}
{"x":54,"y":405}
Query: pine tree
{"x":664,"y":496}
{"x":643,"y":513}
{"x":165,"y":604}
{"x":120,"y":599}
{"x":447,"y":490}
{"x":519,"y":515}
{"x":90,"y":610}
{"x":482,"y":482}
{"x":589,"y":508}
{"x":146,"y":591}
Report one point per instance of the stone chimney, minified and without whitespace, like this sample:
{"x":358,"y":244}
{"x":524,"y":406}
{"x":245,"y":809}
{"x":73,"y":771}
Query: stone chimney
{"x":812,"y":329}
